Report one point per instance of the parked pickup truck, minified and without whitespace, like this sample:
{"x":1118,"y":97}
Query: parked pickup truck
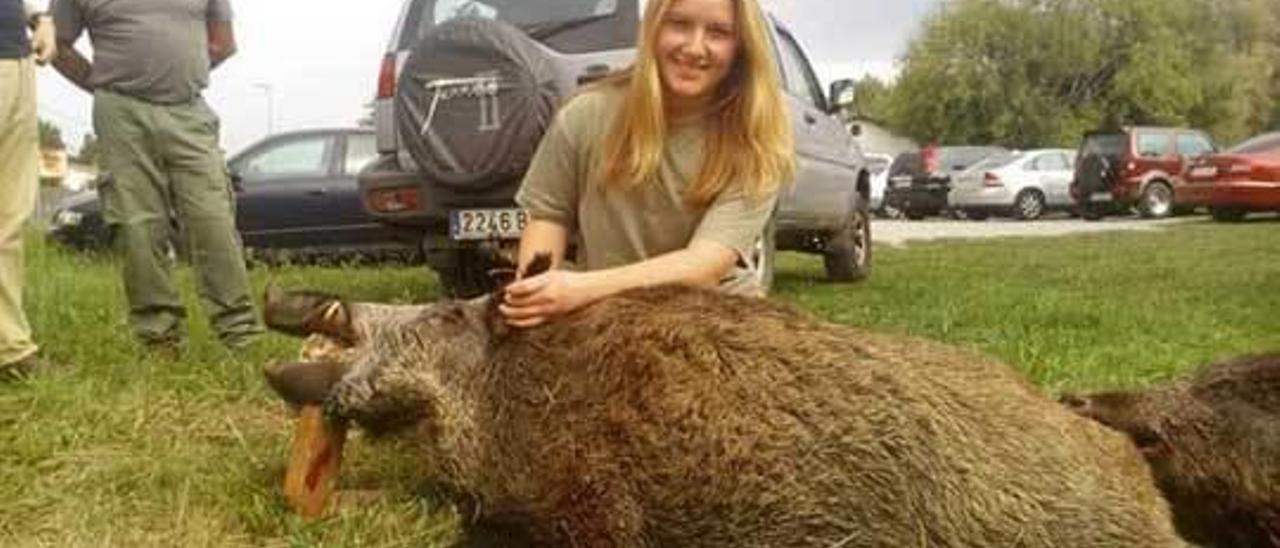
{"x":467,"y":88}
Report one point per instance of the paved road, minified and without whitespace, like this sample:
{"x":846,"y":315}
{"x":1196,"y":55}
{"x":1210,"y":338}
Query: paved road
{"x":896,"y":232}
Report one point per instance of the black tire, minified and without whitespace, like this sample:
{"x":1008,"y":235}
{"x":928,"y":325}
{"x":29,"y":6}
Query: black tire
{"x":464,"y":273}
{"x":1156,"y":201}
{"x":473,"y":101}
{"x":1093,"y":211}
{"x":847,"y":257}
{"x":1028,"y":205}
{"x":1227,"y":214}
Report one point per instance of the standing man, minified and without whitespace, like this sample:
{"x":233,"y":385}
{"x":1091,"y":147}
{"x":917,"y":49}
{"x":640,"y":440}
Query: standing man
{"x":151,"y":60}
{"x":19,"y":138}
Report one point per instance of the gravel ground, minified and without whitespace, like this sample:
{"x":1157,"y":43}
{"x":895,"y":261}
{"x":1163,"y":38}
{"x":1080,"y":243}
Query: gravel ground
{"x":897,"y":232}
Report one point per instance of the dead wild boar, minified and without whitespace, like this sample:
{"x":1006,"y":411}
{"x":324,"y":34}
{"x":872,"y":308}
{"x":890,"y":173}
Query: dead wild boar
{"x":1213,"y":442}
{"x":678,"y":417}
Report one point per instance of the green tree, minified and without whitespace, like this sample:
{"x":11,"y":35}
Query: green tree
{"x":50,"y":136}
{"x":1029,"y":73}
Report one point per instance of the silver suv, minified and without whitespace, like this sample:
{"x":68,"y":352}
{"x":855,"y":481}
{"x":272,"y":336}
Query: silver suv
{"x":467,"y":88}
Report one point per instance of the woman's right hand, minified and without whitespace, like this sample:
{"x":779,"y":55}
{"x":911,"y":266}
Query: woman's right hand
{"x":538,"y":299}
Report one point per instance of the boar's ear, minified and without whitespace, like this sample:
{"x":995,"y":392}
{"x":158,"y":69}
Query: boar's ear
{"x":541,"y":263}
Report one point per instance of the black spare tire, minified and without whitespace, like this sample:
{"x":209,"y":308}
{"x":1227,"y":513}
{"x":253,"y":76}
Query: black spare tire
{"x":1095,"y":174}
{"x":473,"y":100}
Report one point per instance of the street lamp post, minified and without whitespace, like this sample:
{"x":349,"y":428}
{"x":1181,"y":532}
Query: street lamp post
{"x":270,"y":92}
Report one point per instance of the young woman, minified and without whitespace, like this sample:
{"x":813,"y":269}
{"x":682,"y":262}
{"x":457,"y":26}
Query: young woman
{"x":666,"y":173}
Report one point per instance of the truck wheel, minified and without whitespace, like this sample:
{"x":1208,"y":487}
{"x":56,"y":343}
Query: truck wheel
{"x":1093,"y":211}
{"x":847,"y":257}
{"x":1156,"y":201}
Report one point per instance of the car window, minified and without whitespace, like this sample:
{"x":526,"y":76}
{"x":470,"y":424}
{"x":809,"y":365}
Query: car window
{"x":800,"y":81}
{"x":1051,"y":161}
{"x":1265,"y":143}
{"x":1153,"y":145}
{"x":296,"y":157}
{"x":1193,"y":144}
{"x":996,"y":161}
{"x":1105,"y":144}
{"x":571,"y":26}
{"x":362,"y":148}
{"x":960,"y":158}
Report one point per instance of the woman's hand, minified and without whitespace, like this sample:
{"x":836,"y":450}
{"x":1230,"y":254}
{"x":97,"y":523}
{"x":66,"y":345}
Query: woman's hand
{"x":534,"y":301}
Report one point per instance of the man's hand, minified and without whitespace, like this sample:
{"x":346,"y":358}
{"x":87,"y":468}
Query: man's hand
{"x":43,"y":41}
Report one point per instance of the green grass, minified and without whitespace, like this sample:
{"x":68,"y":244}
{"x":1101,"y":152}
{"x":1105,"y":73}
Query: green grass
{"x":121,"y":449}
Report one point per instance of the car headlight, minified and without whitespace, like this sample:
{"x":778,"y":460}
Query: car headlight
{"x":67,"y":218}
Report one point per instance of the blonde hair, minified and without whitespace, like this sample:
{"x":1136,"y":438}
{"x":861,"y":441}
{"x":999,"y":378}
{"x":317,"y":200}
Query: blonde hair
{"x":749,"y":140}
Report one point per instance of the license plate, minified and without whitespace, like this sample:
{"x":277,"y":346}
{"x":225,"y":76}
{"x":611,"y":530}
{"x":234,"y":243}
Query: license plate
{"x":487,"y":224}
{"x":1100,"y":197}
{"x":1204,"y":171}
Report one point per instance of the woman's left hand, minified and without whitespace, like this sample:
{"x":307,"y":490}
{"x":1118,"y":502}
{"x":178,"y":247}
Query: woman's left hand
{"x":536,"y":300}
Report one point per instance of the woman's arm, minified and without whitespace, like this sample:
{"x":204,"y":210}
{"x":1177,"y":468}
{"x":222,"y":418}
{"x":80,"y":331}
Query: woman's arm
{"x":536,"y":300}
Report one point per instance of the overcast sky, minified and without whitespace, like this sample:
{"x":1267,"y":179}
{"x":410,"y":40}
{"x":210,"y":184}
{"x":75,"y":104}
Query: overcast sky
{"x":320,"y":59}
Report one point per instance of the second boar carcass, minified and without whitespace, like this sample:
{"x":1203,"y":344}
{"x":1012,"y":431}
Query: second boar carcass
{"x":677,"y":417}
{"x":1213,"y":442}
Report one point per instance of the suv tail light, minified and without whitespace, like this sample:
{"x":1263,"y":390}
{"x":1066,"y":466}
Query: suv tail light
{"x":387,"y":77}
{"x":394,"y":200}
{"x":991,"y":179}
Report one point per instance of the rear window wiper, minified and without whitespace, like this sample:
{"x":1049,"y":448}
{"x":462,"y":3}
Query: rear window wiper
{"x":539,"y":31}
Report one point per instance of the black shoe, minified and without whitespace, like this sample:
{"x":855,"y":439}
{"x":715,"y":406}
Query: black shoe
{"x":22,"y":370}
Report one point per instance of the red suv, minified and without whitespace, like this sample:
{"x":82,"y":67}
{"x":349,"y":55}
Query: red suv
{"x":1138,"y":167}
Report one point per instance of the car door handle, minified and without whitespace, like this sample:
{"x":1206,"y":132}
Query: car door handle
{"x":317,"y":192}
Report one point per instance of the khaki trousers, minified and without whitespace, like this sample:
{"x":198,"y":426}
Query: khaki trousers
{"x":18,"y":181}
{"x":164,"y":163}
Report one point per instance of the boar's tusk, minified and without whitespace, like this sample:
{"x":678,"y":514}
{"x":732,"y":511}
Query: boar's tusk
{"x":302,"y":313}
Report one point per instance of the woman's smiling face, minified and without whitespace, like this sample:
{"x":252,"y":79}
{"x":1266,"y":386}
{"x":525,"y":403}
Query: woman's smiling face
{"x":696,"y":48}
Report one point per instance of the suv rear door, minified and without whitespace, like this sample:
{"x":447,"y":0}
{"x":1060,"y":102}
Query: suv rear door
{"x":824,"y":149}
{"x":1192,"y":145}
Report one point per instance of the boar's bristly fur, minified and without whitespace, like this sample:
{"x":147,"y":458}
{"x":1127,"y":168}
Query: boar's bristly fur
{"x":1213,"y":442}
{"x":677,"y":417}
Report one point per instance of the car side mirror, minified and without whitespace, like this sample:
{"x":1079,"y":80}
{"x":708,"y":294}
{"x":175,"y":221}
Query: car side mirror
{"x":237,"y":180}
{"x":842,"y":95}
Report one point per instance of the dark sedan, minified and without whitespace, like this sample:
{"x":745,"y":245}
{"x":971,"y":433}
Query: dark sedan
{"x":295,"y":192}
{"x":1242,"y":179}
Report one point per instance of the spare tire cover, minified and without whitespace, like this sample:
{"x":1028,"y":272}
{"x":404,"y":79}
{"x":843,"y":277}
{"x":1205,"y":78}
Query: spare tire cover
{"x":1094,"y":174}
{"x":474,"y":99}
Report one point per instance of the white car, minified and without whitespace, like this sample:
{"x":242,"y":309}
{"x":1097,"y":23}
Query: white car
{"x":878,"y":168}
{"x":1021,"y":184}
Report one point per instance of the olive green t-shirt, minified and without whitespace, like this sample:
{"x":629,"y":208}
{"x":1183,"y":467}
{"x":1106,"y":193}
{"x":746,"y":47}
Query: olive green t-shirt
{"x":615,"y":227}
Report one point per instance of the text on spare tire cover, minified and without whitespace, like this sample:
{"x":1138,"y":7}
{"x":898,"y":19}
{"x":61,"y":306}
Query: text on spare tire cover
{"x":483,"y":87}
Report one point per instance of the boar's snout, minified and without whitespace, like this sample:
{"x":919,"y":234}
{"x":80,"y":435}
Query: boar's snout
{"x":303,"y":313}
{"x":302,"y":383}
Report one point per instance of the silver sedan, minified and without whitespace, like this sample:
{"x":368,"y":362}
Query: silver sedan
{"x":1021,"y":184}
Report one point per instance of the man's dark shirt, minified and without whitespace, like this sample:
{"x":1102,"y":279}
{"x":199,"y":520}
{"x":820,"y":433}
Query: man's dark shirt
{"x":14,"y":43}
